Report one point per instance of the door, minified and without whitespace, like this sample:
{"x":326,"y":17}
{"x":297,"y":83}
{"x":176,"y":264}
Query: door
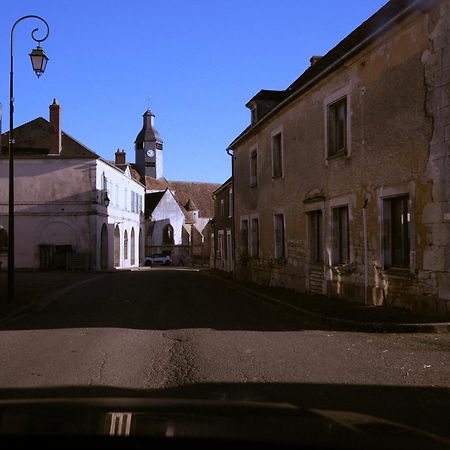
{"x":229,"y":266}
{"x":117,"y":247}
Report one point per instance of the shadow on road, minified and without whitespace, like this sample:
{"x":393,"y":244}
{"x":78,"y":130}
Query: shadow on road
{"x":163,"y":300}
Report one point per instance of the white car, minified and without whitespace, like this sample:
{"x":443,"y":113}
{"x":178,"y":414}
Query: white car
{"x":158,"y":258}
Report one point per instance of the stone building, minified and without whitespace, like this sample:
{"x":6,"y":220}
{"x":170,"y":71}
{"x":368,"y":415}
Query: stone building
{"x":73,"y":209}
{"x":222,"y":227}
{"x":345,"y":175}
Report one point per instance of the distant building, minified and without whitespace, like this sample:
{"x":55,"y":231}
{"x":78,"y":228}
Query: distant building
{"x":342,"y":181}
{"x":182,"y":207}
{"x":222,"y":226}
{"x":166,"y":231}
{"x":62,"y":215}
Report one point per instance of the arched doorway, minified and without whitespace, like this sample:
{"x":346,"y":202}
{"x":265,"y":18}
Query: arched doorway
{"x":133,"y":248}
{"x":116,"y":246}
{"x":104,"y":247}
{"x":125,"y":245}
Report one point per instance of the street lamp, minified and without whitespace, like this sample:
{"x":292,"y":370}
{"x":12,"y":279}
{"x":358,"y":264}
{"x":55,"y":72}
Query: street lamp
{"x":39,"y":62}
{"x":106,"y":200}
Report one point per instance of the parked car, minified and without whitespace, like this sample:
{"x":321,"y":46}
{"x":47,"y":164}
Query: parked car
{"x":158,"y":258}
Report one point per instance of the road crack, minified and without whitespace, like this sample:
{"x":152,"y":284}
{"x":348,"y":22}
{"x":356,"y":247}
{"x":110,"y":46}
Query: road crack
{"x":181,"y":368}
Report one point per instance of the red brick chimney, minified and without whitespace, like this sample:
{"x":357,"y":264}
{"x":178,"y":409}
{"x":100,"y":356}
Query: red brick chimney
{"x":55,"y":128}
{"x":120,"y":157}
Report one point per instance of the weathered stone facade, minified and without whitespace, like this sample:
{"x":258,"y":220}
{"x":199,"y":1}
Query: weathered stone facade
{"x":222,"y":227}
{"x":371,"y":221}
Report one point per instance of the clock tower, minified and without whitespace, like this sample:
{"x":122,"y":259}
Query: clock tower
{"x":148,"y":148}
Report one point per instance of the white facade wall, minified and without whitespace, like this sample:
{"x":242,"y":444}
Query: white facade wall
{"x":60,"y":202}
{"x":124,"y":214}
{"x":167,"y":212}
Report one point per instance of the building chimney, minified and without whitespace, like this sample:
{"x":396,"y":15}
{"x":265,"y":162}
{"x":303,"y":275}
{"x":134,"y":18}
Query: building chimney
{"x":120,"y":157}
{"x":314,"y":59}
{"x":55,"y":128}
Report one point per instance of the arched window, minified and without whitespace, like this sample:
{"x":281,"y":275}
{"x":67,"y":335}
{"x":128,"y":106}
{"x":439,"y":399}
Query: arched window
{"x":168,"y":234}
{"x":3,"y":240}
{"x":133,"y":247}
{"x":125,"y":245}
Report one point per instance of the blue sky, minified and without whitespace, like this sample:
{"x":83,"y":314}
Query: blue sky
{"x":199,"y":61}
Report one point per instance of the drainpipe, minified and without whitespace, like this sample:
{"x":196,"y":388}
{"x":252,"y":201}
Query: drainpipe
{"x":366,"y":267}
{"x":230,"y":152}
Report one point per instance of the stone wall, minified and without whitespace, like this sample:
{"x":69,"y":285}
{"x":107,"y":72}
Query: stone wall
{"x":397,"y":91}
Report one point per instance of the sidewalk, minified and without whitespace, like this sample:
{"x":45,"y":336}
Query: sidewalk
{"x":340,"y":312}
{"x":33,"y":286}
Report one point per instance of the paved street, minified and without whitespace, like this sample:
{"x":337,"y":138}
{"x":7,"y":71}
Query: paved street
{"x":174,"y":332}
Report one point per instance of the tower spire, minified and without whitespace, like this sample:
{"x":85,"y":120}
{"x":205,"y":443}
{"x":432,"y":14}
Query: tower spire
{"x":148,"y":147}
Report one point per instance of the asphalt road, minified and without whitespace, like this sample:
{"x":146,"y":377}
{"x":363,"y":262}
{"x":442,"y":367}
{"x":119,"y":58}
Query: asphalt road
{"x":183,"y":333}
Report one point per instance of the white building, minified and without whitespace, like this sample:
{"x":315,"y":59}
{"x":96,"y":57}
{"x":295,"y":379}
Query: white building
{"x":61,"y":217}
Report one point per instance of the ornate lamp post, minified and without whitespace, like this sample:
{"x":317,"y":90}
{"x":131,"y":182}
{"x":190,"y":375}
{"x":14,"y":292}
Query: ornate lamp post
{"x":39,"y":62}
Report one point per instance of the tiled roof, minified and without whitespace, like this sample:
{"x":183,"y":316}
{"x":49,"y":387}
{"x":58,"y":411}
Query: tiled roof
{"x":156,"y":184}
{"x":32,"y":141}
{"x":151,"y":201}
{"x":134,"y":173}
{"x":199,"y":193}
{"x":190,"y":206}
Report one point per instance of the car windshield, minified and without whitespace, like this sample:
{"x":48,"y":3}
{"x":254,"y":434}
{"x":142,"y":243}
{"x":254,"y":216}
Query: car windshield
{"x":226,"y":220}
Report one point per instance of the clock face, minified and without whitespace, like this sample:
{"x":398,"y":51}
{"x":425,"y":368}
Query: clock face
{"x":150,"y":153}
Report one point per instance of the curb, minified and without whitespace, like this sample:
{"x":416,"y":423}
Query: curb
{"x":377,"y":327}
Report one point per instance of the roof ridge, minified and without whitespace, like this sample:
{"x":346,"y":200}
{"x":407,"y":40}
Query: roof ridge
{"x":193,"y":182}
{"x":27,"y":123}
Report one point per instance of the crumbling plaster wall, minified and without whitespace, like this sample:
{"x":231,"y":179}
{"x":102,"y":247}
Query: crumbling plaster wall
{"x":397,"y":90}
{"x":435,"y":273}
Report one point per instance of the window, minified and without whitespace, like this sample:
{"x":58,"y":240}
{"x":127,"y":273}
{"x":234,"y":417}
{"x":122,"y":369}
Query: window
{"x":133,"y":202}
{"x":168,"y":234}
{"x":136,"y":202}
{"x":277,"y":150}
{"x":220,"y":245}
{"x":230,"y":203}
{"x":244,"y":237}
{"x":133,"y":247}
{"x":280,"y":251}
{"x":396,"y":220}
{"x":315,"y":236}
{"x":3,"y":240}
{"x":222,"y":208}
{"x":253,"y":168}
{"x":125,"y":245}
{"x":254,"y":238}
{"x":337,"y":127}
{"x":340,"y":233}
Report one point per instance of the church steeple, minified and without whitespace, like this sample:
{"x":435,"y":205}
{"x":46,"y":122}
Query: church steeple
{"x":148,"y":147}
